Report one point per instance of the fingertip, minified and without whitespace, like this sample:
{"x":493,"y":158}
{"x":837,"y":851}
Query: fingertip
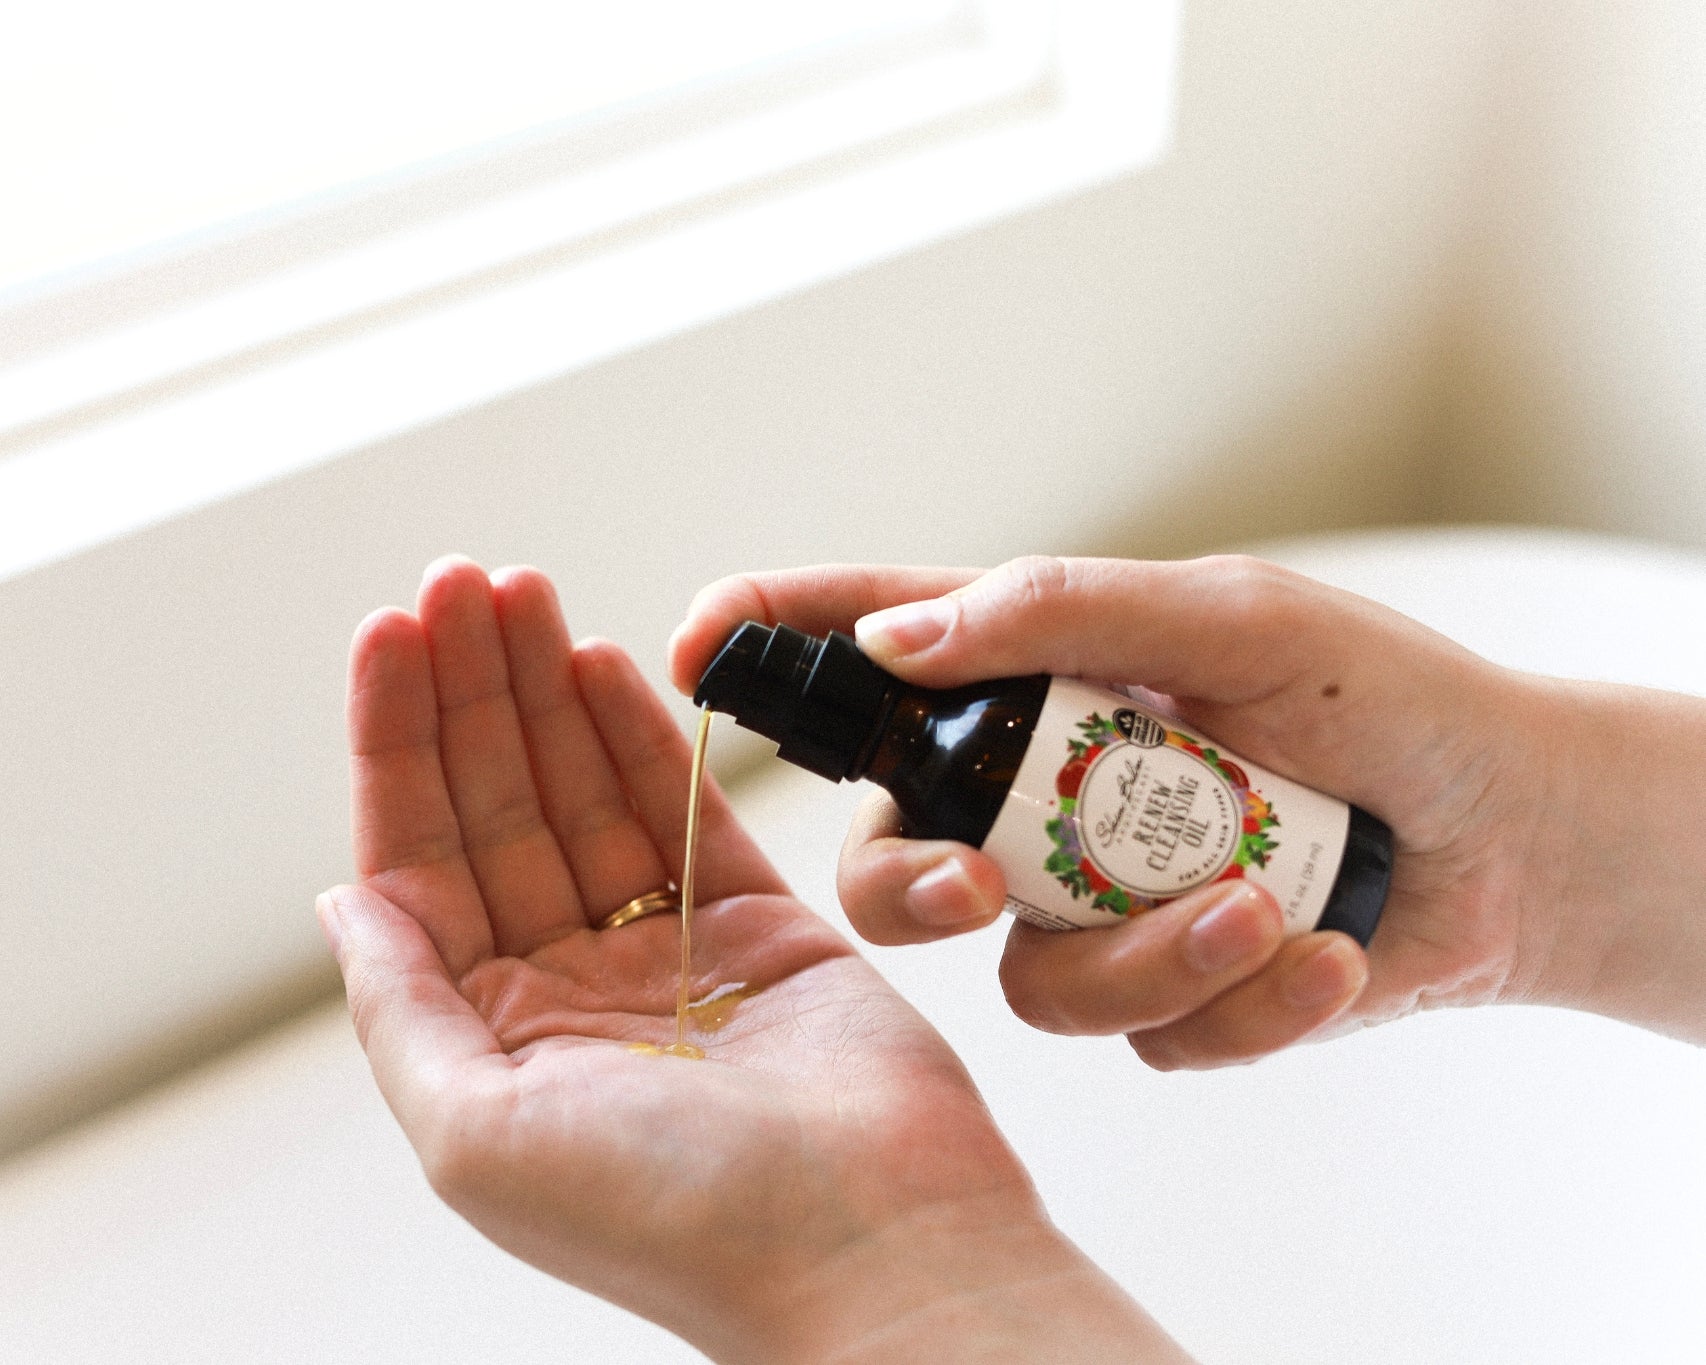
{"x":341,"y":907}
{"x":453,"y":562}
{"x":683,"y":659}
{"x":526,"y":604}
{"x":445,"y":576}
{"x":517,"y":579}
{"x":1327,"y":979}
{"x":712,"y":615}
{"x":326,"y":910}
{"x":378,"y":640}
{"x":376,"y":936}
{"x":380,"y":626}
{"x":389,"y":680}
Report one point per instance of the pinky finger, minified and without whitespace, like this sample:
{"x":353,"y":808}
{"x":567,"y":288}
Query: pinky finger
{"x":1310,"y":981}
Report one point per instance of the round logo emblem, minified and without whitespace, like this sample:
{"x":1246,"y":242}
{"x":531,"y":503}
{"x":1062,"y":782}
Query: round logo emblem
{"x":1146,"y":812}
{"x":1158,"y":820}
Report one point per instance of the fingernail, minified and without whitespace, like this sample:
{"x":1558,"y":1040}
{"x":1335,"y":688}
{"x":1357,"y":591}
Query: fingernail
{"x":946,"y":895}
{"x":1233,"y":928}
{"x":1333,"y":972}
{"x":908,"y":629}
{"x":331,"y":923}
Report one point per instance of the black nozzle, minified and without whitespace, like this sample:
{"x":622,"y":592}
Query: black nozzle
{"x":820,"y":700}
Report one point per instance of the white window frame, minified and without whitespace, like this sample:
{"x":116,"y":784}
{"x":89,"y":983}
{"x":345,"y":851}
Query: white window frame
{"x":170,"y":385}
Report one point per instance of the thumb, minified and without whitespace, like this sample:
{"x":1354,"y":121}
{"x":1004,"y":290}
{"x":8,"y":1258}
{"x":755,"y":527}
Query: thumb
{"x":419,"y":1034}
{"x":1225,"y":629}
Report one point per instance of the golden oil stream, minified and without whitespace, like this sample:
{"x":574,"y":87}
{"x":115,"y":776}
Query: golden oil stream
{"x":683,"y":1008}
{"x":695,"y":786}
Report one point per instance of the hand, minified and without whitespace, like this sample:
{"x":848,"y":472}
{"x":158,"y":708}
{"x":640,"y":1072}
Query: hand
{"x":1522,"y":871}
{"x":828,"y":1171}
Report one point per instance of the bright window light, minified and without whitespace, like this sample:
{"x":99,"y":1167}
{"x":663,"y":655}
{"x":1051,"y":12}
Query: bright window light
{"x":228,"y":260}
{"x":135,"y":124}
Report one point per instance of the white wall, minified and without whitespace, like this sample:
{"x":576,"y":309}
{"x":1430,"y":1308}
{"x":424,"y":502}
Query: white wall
{"x":1579,"y":395}
{"x":1240,"y":341}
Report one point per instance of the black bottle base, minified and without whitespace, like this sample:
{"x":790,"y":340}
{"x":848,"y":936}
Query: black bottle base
{"x":1365,"y":876}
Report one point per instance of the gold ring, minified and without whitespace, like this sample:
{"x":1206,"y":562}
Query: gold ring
{"x":652,"y":903}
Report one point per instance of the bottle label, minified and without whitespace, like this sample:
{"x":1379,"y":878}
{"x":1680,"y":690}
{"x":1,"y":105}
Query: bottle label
{"x":1117,"y":808}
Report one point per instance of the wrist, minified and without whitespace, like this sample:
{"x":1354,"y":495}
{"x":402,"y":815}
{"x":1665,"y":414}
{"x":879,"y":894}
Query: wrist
{"x":1616,"y":875}
{"x":970,"y":1281}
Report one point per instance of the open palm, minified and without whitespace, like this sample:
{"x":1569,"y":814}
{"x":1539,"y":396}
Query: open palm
{"x":510,"y":790}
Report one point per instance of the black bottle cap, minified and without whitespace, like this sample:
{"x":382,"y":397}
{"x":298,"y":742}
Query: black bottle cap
{"x":1365,"y":876}
{"x":819,"y":699}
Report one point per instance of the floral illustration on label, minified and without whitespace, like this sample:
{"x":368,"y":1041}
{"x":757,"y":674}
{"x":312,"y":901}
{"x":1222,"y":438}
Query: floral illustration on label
{"x":1147,"y":813}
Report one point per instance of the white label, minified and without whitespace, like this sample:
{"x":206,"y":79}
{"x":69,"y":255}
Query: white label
{"x":1117,"y":808}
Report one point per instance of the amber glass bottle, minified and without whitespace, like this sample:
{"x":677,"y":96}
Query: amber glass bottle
{"x":1095,"y":807}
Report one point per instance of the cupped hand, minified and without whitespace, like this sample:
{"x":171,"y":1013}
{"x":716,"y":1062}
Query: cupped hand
{"x":1328,"y":688}
{"x":818,"y":1177}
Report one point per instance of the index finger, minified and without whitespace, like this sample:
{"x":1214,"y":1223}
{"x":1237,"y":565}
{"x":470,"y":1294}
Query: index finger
{"x":816,"y":599}
{"x":407,"y":839}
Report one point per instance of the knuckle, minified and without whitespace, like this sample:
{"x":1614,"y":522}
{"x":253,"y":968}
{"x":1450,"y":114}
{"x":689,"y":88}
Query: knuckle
{"x":871,"y":875}
{"x":515,"y":817}
{"x":1252,"y":592}
{"x":1031,"y":583}
{"x":869,"y":909}
{"x":876,"y":817}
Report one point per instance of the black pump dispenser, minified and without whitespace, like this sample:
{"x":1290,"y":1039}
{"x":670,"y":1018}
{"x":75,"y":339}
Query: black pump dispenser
{"x":947,"y":756}
{"x":819,"y":700}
